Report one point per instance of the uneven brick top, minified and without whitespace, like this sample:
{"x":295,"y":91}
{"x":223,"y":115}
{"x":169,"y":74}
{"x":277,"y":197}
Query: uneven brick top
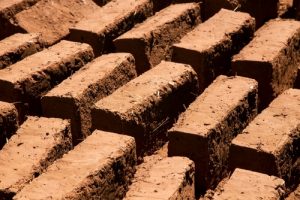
{"x":99,"y":68}
{"x":159,"y":178}
{"x":245,"y":184}
{"x":140,"y":92}
{"x":109,"y":15}
{"x":96,"y":152}
{"x":6,"y":108}
{"x":6,"y":4}
{"x":274,"y":127}
{"x":270,"y":40}
{"x":42,"y":60}
{"x":214,"y":104}
{"x":14,"y":42}
{"x":215,"y":30}
{"x":23,"y":154}
{"x":160,"y":19}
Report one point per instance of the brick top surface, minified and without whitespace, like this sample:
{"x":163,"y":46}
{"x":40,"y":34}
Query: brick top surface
{"x":215,"y":30}
{"x":42,"y":60}
{"x":147,"y":87}
{"x":212,"y":106}
{"x":161,"y":18}
{"x":269,"y":40}
{"x":109,"y":15}
{"x":75,"y":85}
{"x":275,"y":125}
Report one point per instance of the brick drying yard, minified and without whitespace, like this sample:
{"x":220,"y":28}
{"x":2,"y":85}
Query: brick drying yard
{"x":150,"y":99}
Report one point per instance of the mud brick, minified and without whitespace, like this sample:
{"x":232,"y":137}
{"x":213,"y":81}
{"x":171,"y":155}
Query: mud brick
{"x":17,"y":47}
{"x":151,"y":41}
{"x":32,"y":77}
{"x":36,"y":145}
{"x":163,"y":178}
{"x":270,"y":144}
{"x":148,"y":105}
{"x":271,"y":58}
{"x":245,"y":184}
{"x":8,"y":9}
{"x":8,"y":121}
{"x":53,"y":18}
{"x":109,"y":22}
{"x":74,"y":97}
{"x":261,"y":10}
{"x":205,"y":130}
{"x":98,"y":168}
{"x":209,"y":47}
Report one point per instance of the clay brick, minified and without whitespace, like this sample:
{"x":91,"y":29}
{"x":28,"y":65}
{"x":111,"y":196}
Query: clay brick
{"x":109,"y":22}
{"x":148,"y":105}
{"x":8,"y":121}
{"x":32,"y":77}
{"x":98,"y":168}
{"x":271,"y":58}
{"x":74,"y":97}
{"x":261,"y":10}
{"x":17,"y":47}
{"x":209,"y":47}
{"x":205,"y":130}
{"x":151,"y":41}
{"x":245,"y":184}
{"x":163,"y":178}
{"x":36,"y":145}
{"x":295,"y":195}
{"x":53,"y":18}
{"x":270,"y":144}
{"x":8,"y":9}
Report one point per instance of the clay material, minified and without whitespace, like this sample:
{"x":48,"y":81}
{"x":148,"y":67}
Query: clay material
{"x":245,"y":184}
{"x":209,"y":47}
{"x":270,"y":144}
{"x":98,"y":168}
{"x":150,"y":42}
{"x":148,"y":105}
{"x":109,"y":22}
{"x":75,"y":96}
{"x":8,"y":122}
{"x":17,"y":47}
{"x":36,"y":145}
{"x":271,"y":58}
{"x":205,"y":130}
{"x":163,"y":178}
{"x":27,"y":80}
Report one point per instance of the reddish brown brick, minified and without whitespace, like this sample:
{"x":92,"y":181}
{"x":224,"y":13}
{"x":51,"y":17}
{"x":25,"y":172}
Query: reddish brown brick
{"x":32,"y":77}
{"x":17,"y":47}
{"x":151,"y":41}
{"x":148,"y":105}
{"x":74,"y":97}
{"x":8,"y":121}
{"x":209,"y":47}
{"x":36,"y":145}
{"x":109,"y":22}
{"x":270,"y":144}
{"x":245,"y":184}
{"x":163,"y":178}
{"x":261,"y":10}
{"x":204,"y":132}
{"x":8,"y":9}
{"x":271,"y":58}
{"x":98,"y":168}
{"x":295,"y":195}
